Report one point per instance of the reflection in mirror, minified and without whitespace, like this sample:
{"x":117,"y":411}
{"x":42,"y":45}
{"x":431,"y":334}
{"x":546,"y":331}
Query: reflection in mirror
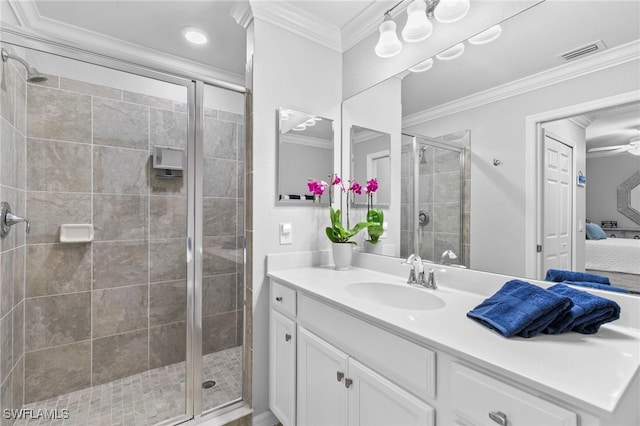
{"x":305,"y":151}
{"x":496,"y":89}
{"x":370,"y":158}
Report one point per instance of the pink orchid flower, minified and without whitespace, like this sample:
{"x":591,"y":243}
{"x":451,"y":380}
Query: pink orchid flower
{"x":356,"y":187}
{"x":372,"y":186}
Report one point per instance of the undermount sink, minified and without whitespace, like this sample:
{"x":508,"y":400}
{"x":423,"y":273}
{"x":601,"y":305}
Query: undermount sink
{"x":396,"y":295}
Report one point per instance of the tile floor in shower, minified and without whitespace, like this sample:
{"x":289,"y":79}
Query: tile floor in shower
{"x":146,"y":398}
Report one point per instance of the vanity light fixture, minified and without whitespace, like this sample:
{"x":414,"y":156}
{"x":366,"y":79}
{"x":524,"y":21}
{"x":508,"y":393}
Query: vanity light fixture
{"x":451,"y":53}
{"x":487,"y":36}
{"x":418,"y":26}
{"x":194,"y":35}
{"x":422,"y":66}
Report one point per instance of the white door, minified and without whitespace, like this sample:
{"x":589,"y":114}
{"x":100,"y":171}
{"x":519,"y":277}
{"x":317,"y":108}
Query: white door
{"x":557,"y":205}
{"x":282,"y":354}
{"x":374,"y":401}
{"x":322,"y":370}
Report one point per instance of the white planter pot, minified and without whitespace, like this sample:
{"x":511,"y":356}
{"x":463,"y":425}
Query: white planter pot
{"x":369,"y":247}
{"x":342,"y":253}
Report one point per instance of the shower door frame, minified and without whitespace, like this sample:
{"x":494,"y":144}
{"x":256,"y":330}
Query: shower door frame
{"x":195,"y":86}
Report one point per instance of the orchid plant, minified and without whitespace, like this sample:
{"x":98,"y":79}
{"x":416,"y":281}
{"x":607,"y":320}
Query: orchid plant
{"x":374,"y":216}
{"x":338,"y":233}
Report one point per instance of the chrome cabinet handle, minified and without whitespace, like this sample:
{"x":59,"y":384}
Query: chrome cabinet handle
{"x":287,"y":337}
{"x":340,"y":376}
{"x":279,"y":299}
{"x":347,"y":383}
{"x":498,"y":417}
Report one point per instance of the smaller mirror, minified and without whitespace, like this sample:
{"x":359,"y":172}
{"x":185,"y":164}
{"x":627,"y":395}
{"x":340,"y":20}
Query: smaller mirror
{"x":629,"y":196}
{"x":305,"y":151}
{"x":370,"y":159}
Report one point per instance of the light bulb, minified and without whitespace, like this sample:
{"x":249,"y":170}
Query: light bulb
{"x":448,"y":11}
{"x":487,"y":36}
{"x":451,"y":53}
{"x":418,"y":26}
{"x":422,"y":66}
{"x":388,"y":44}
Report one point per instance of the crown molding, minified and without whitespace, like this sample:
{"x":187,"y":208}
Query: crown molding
{"x":366,"y":135}
{"x":241,"y":13}
{"x":307,"y":141}
{"x":59,"y":32}
{"x":609,"y":58}
{"x":295,"y":20}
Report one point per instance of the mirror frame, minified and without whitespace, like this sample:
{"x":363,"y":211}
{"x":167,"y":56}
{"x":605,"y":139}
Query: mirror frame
{"x":624,"y":197}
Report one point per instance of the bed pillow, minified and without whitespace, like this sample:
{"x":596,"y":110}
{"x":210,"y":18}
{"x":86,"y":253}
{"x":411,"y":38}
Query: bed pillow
{"x":594,"y":232}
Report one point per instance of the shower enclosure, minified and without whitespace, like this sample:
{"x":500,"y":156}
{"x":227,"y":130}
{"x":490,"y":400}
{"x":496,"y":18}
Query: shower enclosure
{"x":138,"y":319}
{"x":435,"y":197}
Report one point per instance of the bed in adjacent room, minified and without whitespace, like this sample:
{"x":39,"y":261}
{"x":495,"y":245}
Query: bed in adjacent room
{"x":613,"y":254}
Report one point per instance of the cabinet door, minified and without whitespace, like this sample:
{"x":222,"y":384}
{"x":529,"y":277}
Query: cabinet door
{"x":322,"y":370}
{"x":373,"y":401}
{"x":282,"y":368}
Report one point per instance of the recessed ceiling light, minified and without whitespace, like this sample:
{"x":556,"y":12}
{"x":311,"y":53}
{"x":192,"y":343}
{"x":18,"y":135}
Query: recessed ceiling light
{"x":194,"y":35}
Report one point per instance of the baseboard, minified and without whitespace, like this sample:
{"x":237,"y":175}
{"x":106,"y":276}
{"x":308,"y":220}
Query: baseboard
{"x":265,"y":419}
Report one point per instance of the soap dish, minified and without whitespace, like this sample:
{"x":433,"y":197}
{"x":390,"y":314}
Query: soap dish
{"x":76,"y":233}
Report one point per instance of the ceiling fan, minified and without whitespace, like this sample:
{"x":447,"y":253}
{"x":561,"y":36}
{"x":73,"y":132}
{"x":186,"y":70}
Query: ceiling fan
{"x":633,"y":147}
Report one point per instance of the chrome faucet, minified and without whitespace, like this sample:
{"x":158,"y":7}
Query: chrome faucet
{"x":431,"y":279}
{"x":416,"y":274}
{"x":447,"y":257}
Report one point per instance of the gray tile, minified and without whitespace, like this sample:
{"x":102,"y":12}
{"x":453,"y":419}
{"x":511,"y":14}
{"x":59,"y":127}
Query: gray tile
{"x":147,"y":100}
{"x":90,"y":89}
{"x":120,"y":217}
{"x":7,"y":96}
{"x":58,"y":268}
{"x":426,"y":246}
{"x":425,"y":189}
{"x":57,"y":320}
{"x":10,"y":195}
{"x":119,"y":310}
{"x":220,"y":139}
{"x":444,"y":241}
{"x":58,"y":166}
{"x":17,"y":385}
{"x":47,"y":211}
{"x":6,"y":348}
{"x":168,"y":302}
{"x":218,"y":332}
{"x":120,"y":124}
{"x":168,"y":260}
{"x":162,"y":186}
{"x":220,"y":178}
{"x":21,"y":106}
{"x":120,"y":263}
{"x":120,"y":170}
{"x":5,"y":400}
{"x":446,"y":161}
{"x":168,"y":128}
{"x":21,"y":160}
{"x":18,"y":332}
{"x":56,"y":371}
{"x":220,"y":255}
{"x":447,"y":218}
{"x":119,"y":356}
{"x":7,"y":155}
{"x":220,"y":216}
{"x":231,"y":116}
{"x":447,"y":187}
{"x":168,"y":217}
{"x":18,"y":275}
{"x":59,"y":115}
{"x":6,"y":282}
{"x":219,"y":294}
{"x":167,"y":344}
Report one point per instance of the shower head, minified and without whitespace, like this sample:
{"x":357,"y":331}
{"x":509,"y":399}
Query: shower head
{"x":423,"y":157}
{"x":33,"y":75}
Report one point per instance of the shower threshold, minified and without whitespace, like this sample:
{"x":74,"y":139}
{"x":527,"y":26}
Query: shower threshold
{"x":146,"y":398}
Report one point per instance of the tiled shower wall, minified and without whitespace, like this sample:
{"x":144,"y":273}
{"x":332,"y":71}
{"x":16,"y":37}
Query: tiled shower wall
{"x":96,"y":312}
{"x":12,"y":247}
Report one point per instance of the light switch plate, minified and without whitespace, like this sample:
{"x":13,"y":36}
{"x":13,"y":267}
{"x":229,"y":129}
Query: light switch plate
{"x":286,"y":233}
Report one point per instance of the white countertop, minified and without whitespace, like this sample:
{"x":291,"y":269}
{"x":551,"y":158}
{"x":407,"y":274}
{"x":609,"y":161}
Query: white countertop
{"x":595,"y":370}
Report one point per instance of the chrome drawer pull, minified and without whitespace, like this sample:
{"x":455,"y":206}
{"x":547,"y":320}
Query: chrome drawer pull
{"x":498,"y":417}
{"x":340,"y":376}
{"x":347,"y":382}
{"x":278,"y":299}
{"x":287,"y":337}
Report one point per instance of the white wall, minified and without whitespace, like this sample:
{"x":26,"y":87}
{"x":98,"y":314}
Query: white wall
{"x":379,"y":109}
{"x":293,"y":72}
{"x":498,"y":131}
{"x":604,"y":174}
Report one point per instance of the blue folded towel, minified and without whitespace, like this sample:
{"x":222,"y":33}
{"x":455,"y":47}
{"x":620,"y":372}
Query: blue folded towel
{"x":588,"y":313}
{"x":559,"y":275}
{"x":520,"y":308}
{"x":599,"y":286}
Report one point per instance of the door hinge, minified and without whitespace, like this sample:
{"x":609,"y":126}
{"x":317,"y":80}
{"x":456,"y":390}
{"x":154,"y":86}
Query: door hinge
{"x":539,"y":248}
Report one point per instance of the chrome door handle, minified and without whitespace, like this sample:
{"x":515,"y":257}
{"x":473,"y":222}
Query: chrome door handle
{"x":498,"y":417}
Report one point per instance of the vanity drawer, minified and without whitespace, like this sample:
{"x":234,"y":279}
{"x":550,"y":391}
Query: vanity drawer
{"x":478,"y":399}
{"x":409,"y":365}
{"x":283,"y":299}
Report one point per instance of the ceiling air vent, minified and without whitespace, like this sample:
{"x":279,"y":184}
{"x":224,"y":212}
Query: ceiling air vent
{"x":581,"y":51}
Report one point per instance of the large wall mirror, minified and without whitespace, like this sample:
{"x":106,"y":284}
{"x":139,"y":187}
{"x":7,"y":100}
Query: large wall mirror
{"x":305,"y":151}
{"x":584,"y":57}
{"x":371,"y":158}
